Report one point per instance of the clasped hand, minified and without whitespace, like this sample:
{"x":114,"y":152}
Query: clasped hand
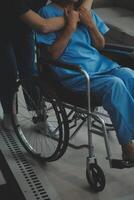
{"x":73,"y":17}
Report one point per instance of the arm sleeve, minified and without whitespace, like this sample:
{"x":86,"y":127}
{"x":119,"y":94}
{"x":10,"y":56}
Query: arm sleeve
{"x":20,"y":7}
{"x":102,"y":27}
{"x":36,"y":4}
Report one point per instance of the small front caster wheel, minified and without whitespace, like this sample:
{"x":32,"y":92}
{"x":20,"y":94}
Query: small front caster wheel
{"x":95,"y":177}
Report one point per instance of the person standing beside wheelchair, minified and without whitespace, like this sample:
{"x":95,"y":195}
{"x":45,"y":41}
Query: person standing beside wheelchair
{"x":79,"y":44}
{"x":18,"y":18}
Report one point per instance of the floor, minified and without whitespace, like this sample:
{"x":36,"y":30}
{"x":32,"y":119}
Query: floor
{"x":67,"y":175}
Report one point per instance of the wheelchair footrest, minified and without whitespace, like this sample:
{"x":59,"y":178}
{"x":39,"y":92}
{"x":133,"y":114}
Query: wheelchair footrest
{"x":121,"y":164}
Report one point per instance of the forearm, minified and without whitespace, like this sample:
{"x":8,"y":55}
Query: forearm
{"x":87,"y":4}
{"x":98,"y":40}
{"x":53,"y":24}
{"x":42,"y":25}
{"x":60,"y":44}
{"x":86,"y":19}
{"x":72,"y":19}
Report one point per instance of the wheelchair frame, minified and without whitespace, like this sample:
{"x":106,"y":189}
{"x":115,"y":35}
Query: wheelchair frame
{"x":94,"y":173}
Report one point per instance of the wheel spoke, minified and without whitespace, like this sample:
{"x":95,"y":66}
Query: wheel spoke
{"x":43,"y":130}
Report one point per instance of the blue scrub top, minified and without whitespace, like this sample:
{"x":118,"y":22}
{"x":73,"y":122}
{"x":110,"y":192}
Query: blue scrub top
{"x":79,"y":50}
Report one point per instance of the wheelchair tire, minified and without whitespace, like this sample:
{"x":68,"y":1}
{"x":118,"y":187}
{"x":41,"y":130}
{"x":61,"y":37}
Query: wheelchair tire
{"x":95,"y":177}
{"x":51,"y":141}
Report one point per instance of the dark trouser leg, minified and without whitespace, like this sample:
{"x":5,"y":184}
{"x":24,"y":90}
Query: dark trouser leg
{"x":7,"y":75}
{"x":25,"y":53}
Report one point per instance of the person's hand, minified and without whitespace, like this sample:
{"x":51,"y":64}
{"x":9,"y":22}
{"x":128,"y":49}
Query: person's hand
{"x":85,"y":17}
{"x":72,"y":18}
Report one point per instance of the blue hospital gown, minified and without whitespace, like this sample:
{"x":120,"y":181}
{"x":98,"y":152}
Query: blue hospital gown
{"x":79,"y":50}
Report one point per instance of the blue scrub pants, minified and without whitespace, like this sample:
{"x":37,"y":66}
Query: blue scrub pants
{"x":115,"y":89}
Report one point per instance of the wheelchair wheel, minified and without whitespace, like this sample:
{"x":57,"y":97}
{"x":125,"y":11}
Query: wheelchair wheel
{"x":95,"y":177}
{"x":41,"y":126}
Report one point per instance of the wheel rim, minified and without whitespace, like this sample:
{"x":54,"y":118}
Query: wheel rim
{"x":95,"y":177}
{"x":48,"y":143}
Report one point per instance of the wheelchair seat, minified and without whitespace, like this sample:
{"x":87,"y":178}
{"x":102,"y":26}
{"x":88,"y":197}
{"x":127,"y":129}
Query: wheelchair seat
{"x":52,"y":86}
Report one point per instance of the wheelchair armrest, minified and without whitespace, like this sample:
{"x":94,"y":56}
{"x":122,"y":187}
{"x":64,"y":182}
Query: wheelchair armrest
{"x":72,"y":67}
{"x":44,"y":58}
{"x":65,"y":65}
{"x":124,"y":55}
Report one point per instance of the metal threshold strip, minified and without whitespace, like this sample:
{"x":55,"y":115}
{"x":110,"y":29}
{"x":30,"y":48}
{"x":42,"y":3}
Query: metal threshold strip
{"x":28,"y":174}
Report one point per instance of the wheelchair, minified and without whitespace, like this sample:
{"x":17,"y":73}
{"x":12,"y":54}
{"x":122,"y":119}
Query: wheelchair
{"x":61,"y":110}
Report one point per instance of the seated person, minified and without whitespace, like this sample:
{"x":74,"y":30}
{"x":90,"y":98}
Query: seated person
{"x":78,"y":43}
